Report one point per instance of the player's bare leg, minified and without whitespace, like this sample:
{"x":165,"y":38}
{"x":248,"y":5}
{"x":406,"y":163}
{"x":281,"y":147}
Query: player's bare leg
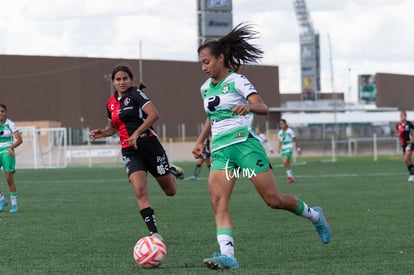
{"x":409,"y":163}
{"x":220,"y":192}
{"x":138,"y":181}
{"x":266,"y":186}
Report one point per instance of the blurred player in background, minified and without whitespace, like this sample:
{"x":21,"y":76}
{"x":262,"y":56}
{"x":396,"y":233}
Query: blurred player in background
{"x":230,"y":102}
{"x":205,"y":158}
{"x":405,"y":132}
{"x":10,"y":138}
{"x":131,"y":114}
{"x":264,"y":140}
{"x":286,"y":145}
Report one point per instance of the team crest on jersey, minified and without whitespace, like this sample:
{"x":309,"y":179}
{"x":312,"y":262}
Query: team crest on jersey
{"x":225,"y":88}
{"x":126,"y":101}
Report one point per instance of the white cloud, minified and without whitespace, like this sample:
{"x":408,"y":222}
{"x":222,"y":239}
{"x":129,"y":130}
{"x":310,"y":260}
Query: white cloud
{"x":367,"y":36}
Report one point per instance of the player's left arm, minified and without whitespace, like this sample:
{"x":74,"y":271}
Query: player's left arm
{"x":295,"y":140}
{"x":152,"y":116}
{"x":256,"y":105}
{"x":17,"y":141}
{"x":412,"y":134}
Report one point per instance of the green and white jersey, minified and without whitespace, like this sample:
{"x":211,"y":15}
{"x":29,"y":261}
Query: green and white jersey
{"x":219,"y":100}
{"x":286,"y":139}
{"x":7,"y":130}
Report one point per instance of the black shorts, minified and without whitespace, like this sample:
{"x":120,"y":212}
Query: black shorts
{"x":206,"y":156}
{"x":150,"y":157}
{"x":407,"y":147}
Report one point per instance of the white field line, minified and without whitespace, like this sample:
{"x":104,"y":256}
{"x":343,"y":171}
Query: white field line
{"x":349,"y":175}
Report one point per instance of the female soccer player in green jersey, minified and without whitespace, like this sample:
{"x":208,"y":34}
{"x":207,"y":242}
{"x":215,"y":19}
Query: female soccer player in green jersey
{"x":230,"y":102}
{"x":10,"y":138}
{"x":286,"y":140}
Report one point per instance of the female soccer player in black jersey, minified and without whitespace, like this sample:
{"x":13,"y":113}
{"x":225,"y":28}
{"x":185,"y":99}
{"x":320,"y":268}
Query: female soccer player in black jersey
{"x":405,"y":132}
{"x":131,"y":114}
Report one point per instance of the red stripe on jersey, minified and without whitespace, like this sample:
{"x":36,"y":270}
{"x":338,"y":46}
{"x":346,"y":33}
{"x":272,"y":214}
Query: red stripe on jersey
{"x":113,"y":107}
{"x":400,"y":129}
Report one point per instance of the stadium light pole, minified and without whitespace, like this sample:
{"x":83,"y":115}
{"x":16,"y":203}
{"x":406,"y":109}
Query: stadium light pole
{"x":334,"y":98}
{"x":349,"y":86}
{"x":141,"y":73}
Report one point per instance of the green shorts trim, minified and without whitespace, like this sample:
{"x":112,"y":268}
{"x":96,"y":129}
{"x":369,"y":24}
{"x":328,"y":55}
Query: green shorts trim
{"x":7,"y":162}
{"x":243,"y":159}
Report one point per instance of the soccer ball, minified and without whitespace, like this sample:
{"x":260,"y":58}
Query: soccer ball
{"x":150,"y":252}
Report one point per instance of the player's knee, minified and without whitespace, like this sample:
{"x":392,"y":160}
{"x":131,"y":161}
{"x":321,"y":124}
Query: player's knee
{"x":170,"y":189}
{"x":214,"y":201}
{"x":217,"y":202}
{"x":274,"y":202}
{"x":171,"y":192}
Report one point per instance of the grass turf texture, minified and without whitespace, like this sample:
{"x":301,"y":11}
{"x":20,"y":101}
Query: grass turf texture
{"x":85,"y":221}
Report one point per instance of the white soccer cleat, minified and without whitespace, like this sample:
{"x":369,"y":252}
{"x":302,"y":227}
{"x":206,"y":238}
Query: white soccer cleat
{"x":411,"y":178}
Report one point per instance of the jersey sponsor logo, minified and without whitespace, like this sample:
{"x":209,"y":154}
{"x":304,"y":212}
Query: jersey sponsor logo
{"x":239,"y":135}
{"x":213,"y":102}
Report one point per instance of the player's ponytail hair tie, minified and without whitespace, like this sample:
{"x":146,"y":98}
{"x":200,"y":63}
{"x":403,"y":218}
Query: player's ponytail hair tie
{"x":142,"y":86}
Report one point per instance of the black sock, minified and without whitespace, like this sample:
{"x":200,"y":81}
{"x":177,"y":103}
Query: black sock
{"x":149,"y":218}
{"x":411,"y":169}
{"x":208,"y":167}
{"x":197,"y":170}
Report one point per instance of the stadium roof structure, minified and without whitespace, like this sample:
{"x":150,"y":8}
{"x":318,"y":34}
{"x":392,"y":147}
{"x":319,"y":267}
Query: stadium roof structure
{"x":328,"y":105}
{"x":313,"y":109}
{"x":357,"y":117}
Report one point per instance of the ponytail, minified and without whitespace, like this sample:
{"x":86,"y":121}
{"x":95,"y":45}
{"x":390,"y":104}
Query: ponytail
{"x":234,"y":46}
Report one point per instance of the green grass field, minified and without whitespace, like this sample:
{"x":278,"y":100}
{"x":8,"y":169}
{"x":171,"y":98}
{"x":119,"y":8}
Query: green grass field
{"x":85,"y":221}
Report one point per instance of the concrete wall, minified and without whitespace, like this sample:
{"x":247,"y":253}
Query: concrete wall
{"x":395,"y":90}
{"x":67,"y":89}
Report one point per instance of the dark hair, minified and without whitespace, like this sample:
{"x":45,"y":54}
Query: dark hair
{"x":284,"y":121}
{"x":3,"y":106}
{"x":235,"y":47}
{"x":403,"y":112}
{"x":122,"y":68}
{"x":125,"y":68}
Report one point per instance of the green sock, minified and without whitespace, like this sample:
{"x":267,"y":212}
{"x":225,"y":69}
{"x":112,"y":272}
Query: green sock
{"x":307,"y":212}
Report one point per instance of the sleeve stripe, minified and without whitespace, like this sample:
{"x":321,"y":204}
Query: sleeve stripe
{"x":252,"y":93}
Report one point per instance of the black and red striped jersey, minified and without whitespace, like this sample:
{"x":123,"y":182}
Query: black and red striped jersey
{"x":405,"y":132}
{"x":127,"y":115}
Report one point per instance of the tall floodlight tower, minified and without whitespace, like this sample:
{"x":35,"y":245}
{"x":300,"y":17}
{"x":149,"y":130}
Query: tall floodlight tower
{"x":215,"y":19}
{"x":309,"y":53}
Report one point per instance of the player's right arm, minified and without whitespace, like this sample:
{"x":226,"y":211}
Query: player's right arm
{"x":101,"y":133}
{"x":397,"y":131}
{"x":199,"y":146}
